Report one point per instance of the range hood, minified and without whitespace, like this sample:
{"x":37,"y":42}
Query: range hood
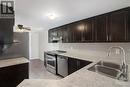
{"x":56,"y":39}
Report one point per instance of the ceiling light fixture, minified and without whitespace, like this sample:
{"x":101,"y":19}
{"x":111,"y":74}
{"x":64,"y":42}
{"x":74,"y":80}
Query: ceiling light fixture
{"x":21,"y":28}
{"x":52,"y":16}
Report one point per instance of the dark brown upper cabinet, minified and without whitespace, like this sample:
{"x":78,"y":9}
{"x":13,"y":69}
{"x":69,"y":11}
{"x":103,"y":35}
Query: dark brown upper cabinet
{"x":100,"y":26}
{"x":64,"y":35}
{"x":110,"y":27}
{"x":70,"y":33}
{"x":81,"y":31}
{"x":128,"y":32}
{"x":88,"y":33}
{"x":76,"y":31}
{"x":51,"y":34}
{"x":59,"y":34}
{"x":118,"y":26}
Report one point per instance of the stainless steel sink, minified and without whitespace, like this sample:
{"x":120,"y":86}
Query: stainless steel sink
{"x":107,"y":69}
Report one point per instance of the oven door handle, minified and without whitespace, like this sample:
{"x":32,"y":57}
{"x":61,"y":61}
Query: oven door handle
{"x":50,"y":59}
{"x":50,"y":56}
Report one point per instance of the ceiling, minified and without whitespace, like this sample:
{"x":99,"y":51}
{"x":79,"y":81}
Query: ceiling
{"x":33,"y":12}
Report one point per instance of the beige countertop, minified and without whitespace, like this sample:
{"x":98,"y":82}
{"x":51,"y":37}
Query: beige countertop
{"x":14,"y":61}
{"x":80,"y":78}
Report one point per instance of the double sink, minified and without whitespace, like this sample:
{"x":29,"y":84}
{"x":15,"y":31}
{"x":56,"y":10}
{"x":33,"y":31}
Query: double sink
{"x":108,"y":69}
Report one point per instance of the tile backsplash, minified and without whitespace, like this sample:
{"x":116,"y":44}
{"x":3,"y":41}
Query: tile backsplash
{"x":96,"y":49}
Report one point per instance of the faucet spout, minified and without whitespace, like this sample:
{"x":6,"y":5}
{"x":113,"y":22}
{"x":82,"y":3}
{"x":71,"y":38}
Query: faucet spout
{"x":124,"y":66}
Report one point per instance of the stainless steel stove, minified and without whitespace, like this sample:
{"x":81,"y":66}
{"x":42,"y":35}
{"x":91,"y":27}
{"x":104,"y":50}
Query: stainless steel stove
{"x":51,"y":60}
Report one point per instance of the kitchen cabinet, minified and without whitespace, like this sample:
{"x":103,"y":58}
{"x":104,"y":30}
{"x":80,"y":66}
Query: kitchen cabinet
{"x":62,"y":34}
{"x":88,"y":33}
{"x":82,"y":63}
{"x":65,"y":35}
{"x":128,"y":30}
{"x":110,"y":27}
{"x":11,"y":76}
{"x":49,"y":35}
{"x":75,"y":32}
{"x":6,"y":30}
{"x":58,"y":34}
{"x":72,"y":65}
{"x":118,"y":26}
{"x":70,"y":33}
{"x":45,"y":56}
{"x":100,"y":26}
{"x":52,"y":34}
{"x":76,"y":64}
{"x":81,"y":31}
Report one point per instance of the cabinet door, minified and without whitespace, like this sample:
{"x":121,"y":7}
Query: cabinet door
{"x":76,"y":64}
{"x":78,"y":29}
{"x":100,"y":26}
{"x":59,"y":32}
{"x":73,"y":38}
{"x":117,"y":26}
{"x":83,"y":63}
{"x":72,"y":65}
{"x":128,"y":32}
{"x":6,"y":30}
{"x":77,"y":32}
{"x":52,"y":33}
{"x":45,"y":55}
{"x":11,"y":76}
{"x":65,"y":37}
{"x":70,"y":33}
{"x":88,"y":30}
{"x":49,"y":35}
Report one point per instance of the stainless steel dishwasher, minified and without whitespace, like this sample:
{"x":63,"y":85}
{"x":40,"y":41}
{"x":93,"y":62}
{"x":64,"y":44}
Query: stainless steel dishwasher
{"x":62,"y":65}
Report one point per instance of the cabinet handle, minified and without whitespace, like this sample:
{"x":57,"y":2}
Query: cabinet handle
{"x":78,"y":63}
{"x":107,"y":38}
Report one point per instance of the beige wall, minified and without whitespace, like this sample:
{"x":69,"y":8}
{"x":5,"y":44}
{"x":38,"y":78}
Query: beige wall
{"x":34,"y":45}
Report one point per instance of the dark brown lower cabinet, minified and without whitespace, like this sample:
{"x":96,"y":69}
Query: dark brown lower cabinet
{"x":72,"y":65}
{"x":11,"y":76}
{"x":76,"y":64}
{"x":45,"y":59}
{"x":82,"y":63}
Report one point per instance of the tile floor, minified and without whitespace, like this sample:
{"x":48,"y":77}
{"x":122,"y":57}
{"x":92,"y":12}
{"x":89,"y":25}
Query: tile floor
{"x":38,"y":71}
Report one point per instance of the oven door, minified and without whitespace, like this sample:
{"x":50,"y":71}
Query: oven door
{"x":51,"y":63}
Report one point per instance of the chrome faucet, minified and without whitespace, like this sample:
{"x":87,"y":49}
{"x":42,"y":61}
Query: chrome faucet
{"x":124,"y":67}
